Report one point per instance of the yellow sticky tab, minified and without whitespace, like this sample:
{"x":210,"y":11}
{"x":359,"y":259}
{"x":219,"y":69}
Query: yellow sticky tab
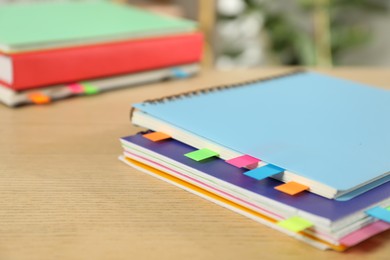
{"x":156,"y":136}
{"x":292,"y":188}
{"x":39,"y":98}
{"x":295,"y":224}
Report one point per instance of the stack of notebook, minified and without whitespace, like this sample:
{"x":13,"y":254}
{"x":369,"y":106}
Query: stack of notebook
{"x":303,"y":153}
{"x":50,"y":51}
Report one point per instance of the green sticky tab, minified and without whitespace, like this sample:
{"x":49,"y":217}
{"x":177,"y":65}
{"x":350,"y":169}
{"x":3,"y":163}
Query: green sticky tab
{"x":388,"y":208}
{"x":89,"y":89}
{"x":201,"y":154}
{"x":295,"y":224}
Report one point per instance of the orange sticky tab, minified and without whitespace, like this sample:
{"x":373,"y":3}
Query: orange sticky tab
{"x":39,"y":98}
{"x":156,"y":136}
{"x":291,"y":188}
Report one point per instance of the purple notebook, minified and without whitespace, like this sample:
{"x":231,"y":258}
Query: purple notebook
{"x":306,"y":201}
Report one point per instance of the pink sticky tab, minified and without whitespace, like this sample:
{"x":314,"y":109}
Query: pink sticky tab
{"x":76,"y":88}
{"x":364,"y":233}
{"x":244,"y":161}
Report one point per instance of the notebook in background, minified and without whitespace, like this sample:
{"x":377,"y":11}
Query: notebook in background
{"x":34,"y":69}
{"x":27,"y":26}
{"x":95,"y":85}
{"x":48,"y":48}
{"x":327,"y":133}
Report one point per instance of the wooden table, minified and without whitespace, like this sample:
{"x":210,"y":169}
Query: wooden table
{"x":65,"y":195}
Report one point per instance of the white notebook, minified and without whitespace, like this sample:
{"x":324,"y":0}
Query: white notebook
{"x":16,"y":98}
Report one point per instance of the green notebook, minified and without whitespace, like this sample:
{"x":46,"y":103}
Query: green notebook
{"x":50,"y":25}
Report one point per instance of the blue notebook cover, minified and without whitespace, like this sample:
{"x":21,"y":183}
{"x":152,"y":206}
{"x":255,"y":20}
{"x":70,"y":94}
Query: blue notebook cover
{"x":305,"y":201}
{"x":333,"y":131}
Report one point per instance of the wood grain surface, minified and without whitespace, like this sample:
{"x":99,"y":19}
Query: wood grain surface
{"x":65,"y":195}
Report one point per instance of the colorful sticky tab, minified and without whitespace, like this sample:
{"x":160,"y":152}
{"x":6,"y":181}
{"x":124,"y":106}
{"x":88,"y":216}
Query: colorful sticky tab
{"x":201,"y":154}
{"x":295,"y":224}
{"x":244,"y":161}
{"x":156,"y":136}
{"x":292,"y":188}
{"x":89,"y":89}
{"x":379,"y":213}
{"x":179,"y":73}
{"x":264,"y":172}
{"x":39,"y":98}
{"x":76,"y":88}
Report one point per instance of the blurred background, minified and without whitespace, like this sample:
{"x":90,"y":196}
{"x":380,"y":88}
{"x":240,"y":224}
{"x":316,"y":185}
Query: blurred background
{"x":250,"y":33}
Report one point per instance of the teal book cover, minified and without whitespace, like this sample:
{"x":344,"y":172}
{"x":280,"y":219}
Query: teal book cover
{"x":40,"y":25}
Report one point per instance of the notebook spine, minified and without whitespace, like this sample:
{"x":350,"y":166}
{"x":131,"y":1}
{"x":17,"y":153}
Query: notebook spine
{"x":215,"y":88}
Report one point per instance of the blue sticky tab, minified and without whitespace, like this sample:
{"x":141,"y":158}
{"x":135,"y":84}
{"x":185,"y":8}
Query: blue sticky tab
{"x":264,"y":172}
{"x":379,"y":213}
{"x":179,"y":73}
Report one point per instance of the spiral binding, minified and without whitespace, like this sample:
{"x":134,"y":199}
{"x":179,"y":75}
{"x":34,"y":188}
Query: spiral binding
{"x":215,"y":89}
